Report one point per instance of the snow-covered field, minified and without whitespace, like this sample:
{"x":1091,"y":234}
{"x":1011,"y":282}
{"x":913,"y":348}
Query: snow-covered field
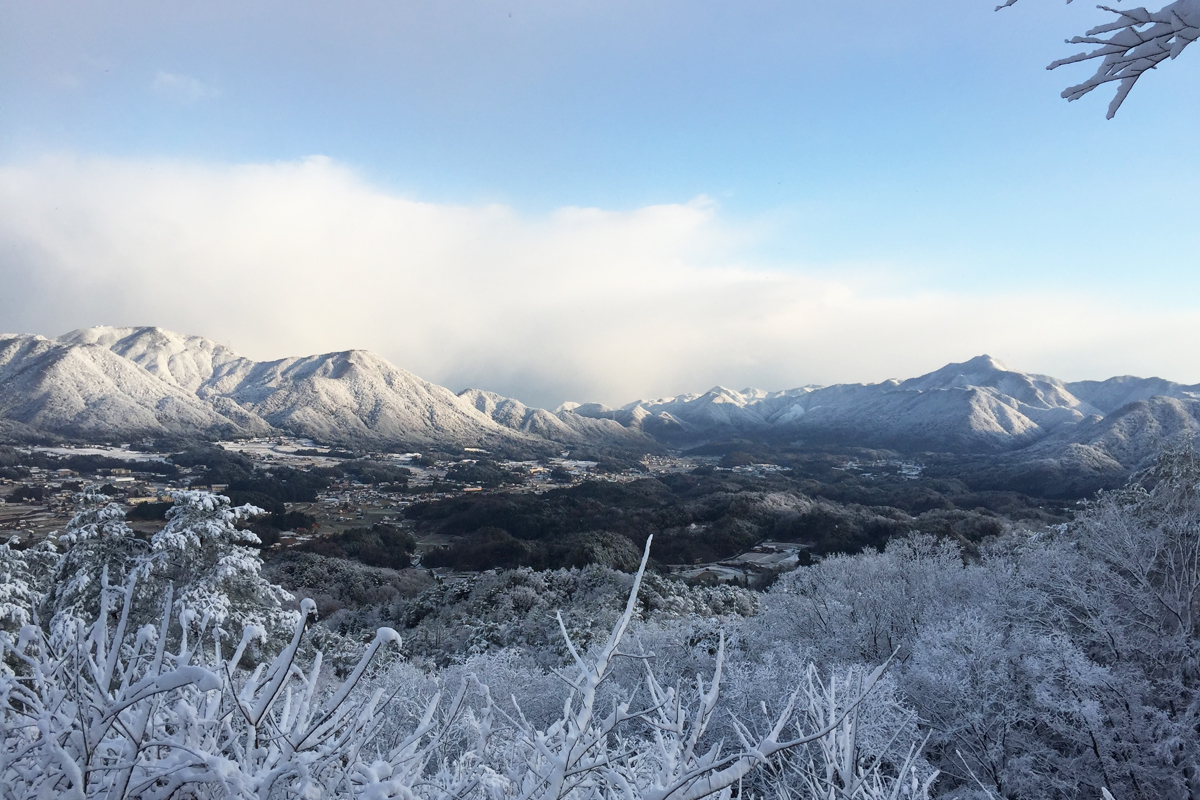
{"x":122,"y":453}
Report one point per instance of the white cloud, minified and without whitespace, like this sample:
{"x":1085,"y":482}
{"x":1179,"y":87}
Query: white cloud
{"x":183,"y":88}
{"x":295,"y":258}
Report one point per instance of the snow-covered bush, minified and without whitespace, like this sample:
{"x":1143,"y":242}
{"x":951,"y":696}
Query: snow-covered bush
{"x":873,"y":752}
{"x":118,"y":714}
{"x":114,"y":714}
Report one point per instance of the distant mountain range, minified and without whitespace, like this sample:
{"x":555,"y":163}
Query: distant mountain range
{"x":978,"y":406}
{"x":132,"y":383}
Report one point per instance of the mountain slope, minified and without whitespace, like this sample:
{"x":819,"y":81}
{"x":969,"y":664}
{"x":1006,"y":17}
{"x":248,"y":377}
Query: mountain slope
{"x":1107,"y":396}
{"x":190,"y":362}
{"x":1099,"y":453}
{"x":356,"y":396}
{"x":563,"y":426}
{"x":88,"y":390}
{"x":978,"y":405}
{"x":1133,"y":433}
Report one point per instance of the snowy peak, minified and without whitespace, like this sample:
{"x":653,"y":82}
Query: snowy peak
{"x":987,"y":373}
{"x":188,"y":362}
{"x":985,"y":363}
{"x":979,"y":404}
{"x":593,"y":425}
{"x":1110,"y":395}
{"x":979,"y":371}
{"x":88,"y":390}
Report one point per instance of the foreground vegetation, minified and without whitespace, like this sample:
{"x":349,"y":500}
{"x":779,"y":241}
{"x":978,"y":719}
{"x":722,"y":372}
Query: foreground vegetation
{"x":1056,"y":661}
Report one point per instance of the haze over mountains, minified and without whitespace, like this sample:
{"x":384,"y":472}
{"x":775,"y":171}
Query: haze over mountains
{"x":128,"y":383}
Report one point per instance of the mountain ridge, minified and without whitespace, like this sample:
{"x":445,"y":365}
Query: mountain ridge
{"x":133,"y":382}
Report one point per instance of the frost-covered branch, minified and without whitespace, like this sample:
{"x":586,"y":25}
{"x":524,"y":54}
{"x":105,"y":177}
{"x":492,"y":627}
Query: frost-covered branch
{"x":158,"y":712}
{"x":588,"y":755}
{"x":1137,"y":41}
{"x":114,"y":714}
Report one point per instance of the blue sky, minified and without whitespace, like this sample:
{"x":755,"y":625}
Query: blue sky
{"x":907,"y":155}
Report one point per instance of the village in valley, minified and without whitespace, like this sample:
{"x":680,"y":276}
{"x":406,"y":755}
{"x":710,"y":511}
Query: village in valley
{"x":38,"y":502}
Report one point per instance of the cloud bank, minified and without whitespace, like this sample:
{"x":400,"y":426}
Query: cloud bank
{"x":582,"y":303}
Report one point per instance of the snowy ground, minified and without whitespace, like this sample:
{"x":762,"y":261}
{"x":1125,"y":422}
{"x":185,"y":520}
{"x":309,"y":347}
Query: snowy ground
{"x":123,"y":453}
{"x":281,"y":450}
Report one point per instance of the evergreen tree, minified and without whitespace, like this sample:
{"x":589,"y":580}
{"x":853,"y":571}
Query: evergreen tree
{"x":98,"y":546}
{"x":215,"y":569}
{"x":24,"y":576}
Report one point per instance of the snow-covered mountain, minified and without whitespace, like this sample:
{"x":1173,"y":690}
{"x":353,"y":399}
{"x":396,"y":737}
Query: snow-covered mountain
{"x":349,"y":396}
{"x":110,"y":383}
{"x":89,"y":391}
{"x":131,"y":382}
{"x":563,"y":425}
{"x":1107,"y":396}
{"x":978,"y":405}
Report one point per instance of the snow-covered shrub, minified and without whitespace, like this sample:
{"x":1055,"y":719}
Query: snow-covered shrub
{"x":874,"y":751}
{"x":872,"y":747}
{"x":114,"y":714}
{"x":117,"y":713}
